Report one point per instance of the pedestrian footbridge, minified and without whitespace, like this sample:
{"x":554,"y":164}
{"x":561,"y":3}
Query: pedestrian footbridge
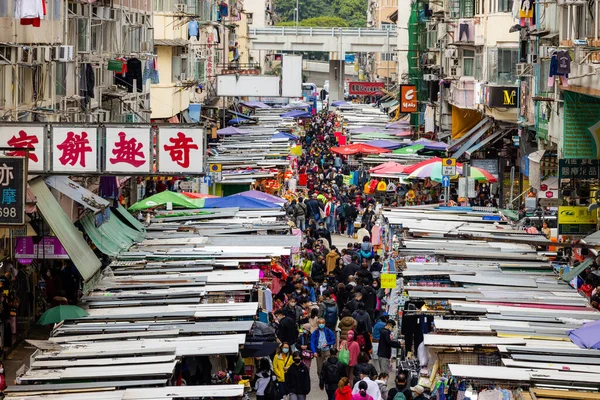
{"x":340,"y":40}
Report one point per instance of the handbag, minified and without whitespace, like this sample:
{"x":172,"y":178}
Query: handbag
{"x":344,"y":356}
{"x":307,"y":354}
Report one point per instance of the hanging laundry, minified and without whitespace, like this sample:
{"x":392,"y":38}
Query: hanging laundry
{"x":223,"y":9}
{"x":560,"y":66}
{"x":30,"y":12}
{"x":151,"y":71}
{"x":120,"y":77}
{"x":526,"y":12}
{"x":193,"y":30}
{"x":87,"y":82}
{"x":134,"y":72}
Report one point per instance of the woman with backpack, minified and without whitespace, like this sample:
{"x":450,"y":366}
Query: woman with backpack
{"x":353,"y":349}
{"x":266,"y":385}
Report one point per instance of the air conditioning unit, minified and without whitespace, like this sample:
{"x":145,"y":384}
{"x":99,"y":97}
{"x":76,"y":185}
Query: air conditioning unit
{"x":430,"y":77}
{"x":455,"y":71}
{"x":200,"y":53}
{"x":532,"y":58}
{"x":453,"y":53}
{"x":145,"y":47}
{"x":180,"y":8}
{"x":46,"y":53}
{"x":182,"y":76}
{"x":454,"y":62}
{"x":524,"y":69}
{"x":102,"y":116}
{"x":64,"y":53}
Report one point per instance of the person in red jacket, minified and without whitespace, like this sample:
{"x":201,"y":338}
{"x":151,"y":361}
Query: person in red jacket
{"x":344,"y":391}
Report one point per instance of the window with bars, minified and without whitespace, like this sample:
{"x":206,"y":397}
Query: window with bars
{"x":505,"y":5}
{"x":61,"y":79}
{"x":478,"y":73}
{"x":468,"y":62}
{"x":462,"y":8}
{"x":502,"y":65}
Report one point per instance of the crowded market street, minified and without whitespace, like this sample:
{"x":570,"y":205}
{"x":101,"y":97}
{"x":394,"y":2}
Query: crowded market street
{"x":336,"y":269}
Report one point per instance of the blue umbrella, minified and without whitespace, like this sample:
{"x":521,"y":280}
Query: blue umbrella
{"x":296,"y":114}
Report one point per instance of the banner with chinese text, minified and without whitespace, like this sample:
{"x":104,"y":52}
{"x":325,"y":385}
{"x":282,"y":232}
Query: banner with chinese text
{"x":13,"y":192}
{"x":25,"y":136}
{"x":128,"y":150}
{"x":180,"y":150}
{"x":74,"y":149}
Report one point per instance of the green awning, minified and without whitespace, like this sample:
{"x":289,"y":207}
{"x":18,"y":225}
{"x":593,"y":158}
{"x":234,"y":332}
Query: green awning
{"x":161,"y":199}
{"x":409,"y":149}
{"x":130,"y":218}
{"x":375,"y":135}
{"x":568,"y":277}
{"x":70,"y":237}
{"x":113,"y":235}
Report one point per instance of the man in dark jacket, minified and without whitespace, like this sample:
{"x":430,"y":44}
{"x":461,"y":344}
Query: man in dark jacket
{"x":386,"y":343}
{"x":401,"y":386}
{"x":328,"y":310}
{"x":314,"y":208}
{"x":297,"y":377}
{"x":350,"y":269}
{"x":331,"y":373}
{"x":363,"y":320}
{"x":324,"y":233}
{"x":288,"y":330}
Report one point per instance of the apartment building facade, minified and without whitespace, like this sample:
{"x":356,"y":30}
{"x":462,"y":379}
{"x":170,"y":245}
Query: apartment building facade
{"x":62,"y":67}
{"x":383,"y":65}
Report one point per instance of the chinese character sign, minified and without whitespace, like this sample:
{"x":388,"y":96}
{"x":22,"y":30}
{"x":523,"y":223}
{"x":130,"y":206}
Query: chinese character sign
{"x":13,"y":179}
{"x":127,"y":150}
{"x":74,"y":149}
{"x":180,"y":150}
{"x":21,"y":137}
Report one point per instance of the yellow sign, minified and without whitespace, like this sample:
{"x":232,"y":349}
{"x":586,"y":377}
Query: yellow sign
{"x":388,"y":281}
{"x":449,"y":162}
{"x":508,"y":98}
{"x":576,"y":215}
{"x":215,"y":167}
{"x":347,"y":180}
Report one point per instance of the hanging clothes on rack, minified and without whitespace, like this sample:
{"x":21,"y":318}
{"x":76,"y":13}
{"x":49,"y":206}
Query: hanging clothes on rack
{"x":134,"y":72}
{"x":87,"y":82}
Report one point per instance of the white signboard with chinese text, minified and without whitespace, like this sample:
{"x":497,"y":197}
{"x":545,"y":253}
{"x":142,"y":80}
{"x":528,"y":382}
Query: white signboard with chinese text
{"x":25,"y":137}
{"x":74,"y":149}
{"x":180,"y":150}
{"x":127,"y":150}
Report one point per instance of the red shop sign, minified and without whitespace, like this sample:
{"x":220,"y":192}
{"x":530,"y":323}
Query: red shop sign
{"x":366,"y":88}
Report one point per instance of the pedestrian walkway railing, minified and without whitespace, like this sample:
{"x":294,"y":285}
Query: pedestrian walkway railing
{"x":304,"y":31}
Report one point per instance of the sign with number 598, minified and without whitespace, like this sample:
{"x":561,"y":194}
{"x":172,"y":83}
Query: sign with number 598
{"x":13,"y":181}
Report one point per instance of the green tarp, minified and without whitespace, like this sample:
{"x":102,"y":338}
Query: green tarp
{"x":160,"y":199}
{"x":409,"y":149}
{"x":512,"y":214}
{"x":130,"y":218}
{"x":70,"y":237}
{"x":568,"y":277}
{"x":112,"y":236}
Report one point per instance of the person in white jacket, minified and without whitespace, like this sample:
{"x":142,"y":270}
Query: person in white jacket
{"x":263,"y":377}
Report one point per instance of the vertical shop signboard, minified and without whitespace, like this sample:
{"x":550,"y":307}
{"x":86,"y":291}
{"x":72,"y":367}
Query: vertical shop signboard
{"x":582,"y":126}
{"x":13,"y":190}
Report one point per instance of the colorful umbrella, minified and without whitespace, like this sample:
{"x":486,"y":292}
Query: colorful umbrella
{"x":414,"y":149}
{"x":432,"y":144}
{"x":160,"y":199}
{"x":480,"y":174}
{"x":359,"y":148}
{"x":230,"y":131}
{"x":60,"y":313}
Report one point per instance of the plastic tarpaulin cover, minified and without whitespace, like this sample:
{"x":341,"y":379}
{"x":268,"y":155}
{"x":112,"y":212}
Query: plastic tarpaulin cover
{"x":72,"y":239}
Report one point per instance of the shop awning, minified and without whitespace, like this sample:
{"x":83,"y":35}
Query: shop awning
{"x":130,"y":218}
{"x":467,"y":141}
{"x":77,"y":192}
{"x":488,"y":140}
{"x":112,"y":236}
{"x":72,"y":240}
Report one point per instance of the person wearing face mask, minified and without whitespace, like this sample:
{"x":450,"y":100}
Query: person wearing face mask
{"x":386,"y":343}
{"x":292,"y":310}
{"x":354,"y":349}
{"x":321,"y":342}
{"x":297,"y":379}
{"x":311,"y":290}
{"x":287,"y":331}
{"x":281,"y":364}
{"x":328,"y":310}
{"x":303,"y":345}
